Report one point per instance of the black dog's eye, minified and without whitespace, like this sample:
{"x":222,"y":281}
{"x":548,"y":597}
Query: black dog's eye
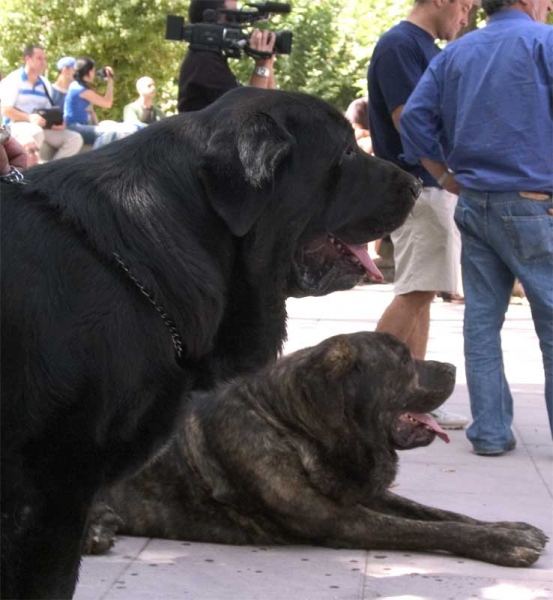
{"x":349,"y":152}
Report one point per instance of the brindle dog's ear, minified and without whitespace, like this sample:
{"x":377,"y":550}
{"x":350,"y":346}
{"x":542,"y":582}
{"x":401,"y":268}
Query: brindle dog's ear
{"x":323,"y":386}
{"x":239,"y":170}
{"x":339,"y":358}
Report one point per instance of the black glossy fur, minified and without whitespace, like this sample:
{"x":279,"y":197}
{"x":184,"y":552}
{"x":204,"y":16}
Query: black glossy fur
{"x":304,"y":452}
{"x":211,"y":212}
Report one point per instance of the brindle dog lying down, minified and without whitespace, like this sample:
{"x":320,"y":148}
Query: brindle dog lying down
{"x":303,"y":452}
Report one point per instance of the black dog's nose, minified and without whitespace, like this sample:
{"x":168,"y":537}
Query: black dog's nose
{"x":450,"y":369}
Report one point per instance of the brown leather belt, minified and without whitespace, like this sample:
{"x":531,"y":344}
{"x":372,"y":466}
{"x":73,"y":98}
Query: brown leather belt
{"x":541,"y":196}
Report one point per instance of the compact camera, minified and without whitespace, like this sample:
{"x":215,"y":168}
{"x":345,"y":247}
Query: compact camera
{"x":102,"y":74}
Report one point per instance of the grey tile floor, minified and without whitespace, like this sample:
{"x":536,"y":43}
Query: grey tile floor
{"x":517,"y":486}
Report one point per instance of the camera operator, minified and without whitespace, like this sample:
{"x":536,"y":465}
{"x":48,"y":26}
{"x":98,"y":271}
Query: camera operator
{"x":205,"y":74}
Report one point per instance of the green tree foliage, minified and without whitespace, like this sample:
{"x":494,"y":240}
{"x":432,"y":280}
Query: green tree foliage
{"x":128,"y":35}
{"x":333,"y":42}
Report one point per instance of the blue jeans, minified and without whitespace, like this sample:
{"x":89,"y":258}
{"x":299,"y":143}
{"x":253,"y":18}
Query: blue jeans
{"x":98,"y":135}
{"x":503,"y":236}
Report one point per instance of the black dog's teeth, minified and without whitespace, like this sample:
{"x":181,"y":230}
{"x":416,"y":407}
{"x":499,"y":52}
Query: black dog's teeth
{"x":344,"y":250}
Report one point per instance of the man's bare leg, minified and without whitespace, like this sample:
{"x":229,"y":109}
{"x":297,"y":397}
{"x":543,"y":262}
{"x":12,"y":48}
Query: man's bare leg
{"x":418,"y":340}
{"x":408,"y":318}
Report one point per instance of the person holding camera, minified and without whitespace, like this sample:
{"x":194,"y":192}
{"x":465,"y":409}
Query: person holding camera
{"x":23,"y":92}
{"x":82,"y":98}
{"x":205,"y":74}
{"x":78,"y":108}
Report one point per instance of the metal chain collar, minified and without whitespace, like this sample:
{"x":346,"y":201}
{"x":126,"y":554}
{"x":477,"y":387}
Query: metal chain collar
{"x":13,"y":176}
{"x":177,"y":340}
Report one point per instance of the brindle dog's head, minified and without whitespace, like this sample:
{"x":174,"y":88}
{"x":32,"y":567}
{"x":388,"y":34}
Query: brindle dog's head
{"x":365,"y":387}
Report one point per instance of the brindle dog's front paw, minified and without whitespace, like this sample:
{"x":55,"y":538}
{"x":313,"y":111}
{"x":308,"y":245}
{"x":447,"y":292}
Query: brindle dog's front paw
{"x":512,"y":547}
{"x":103,"y":524}
{"x":521,"y":526}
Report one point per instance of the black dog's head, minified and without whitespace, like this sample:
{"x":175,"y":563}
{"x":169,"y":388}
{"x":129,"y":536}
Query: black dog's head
{"x":365,"y":387}
{"x":287,"y":164}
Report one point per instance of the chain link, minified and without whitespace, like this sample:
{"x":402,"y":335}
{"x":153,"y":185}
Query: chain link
{"x":177,"y":340}
{"x":13,"y":176}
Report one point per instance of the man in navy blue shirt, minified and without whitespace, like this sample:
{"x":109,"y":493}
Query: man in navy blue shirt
{"x":481,"y":118}
{"x":427,"y":247}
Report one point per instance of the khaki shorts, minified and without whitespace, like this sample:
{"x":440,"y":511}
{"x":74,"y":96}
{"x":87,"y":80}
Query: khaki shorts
{"x":427,"y":247}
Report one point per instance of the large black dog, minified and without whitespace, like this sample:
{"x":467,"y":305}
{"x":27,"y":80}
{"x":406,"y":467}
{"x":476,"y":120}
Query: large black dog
{"x":158,"y":265}
{"x":304,"y":451}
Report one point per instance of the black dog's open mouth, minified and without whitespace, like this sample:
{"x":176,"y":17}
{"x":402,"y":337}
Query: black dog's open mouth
{"x":416,"y":429}
{"x":327,"y":264}
{"x":330,"y":247}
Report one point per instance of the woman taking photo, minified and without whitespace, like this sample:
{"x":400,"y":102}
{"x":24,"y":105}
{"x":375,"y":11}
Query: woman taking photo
{"x":78,"y":109}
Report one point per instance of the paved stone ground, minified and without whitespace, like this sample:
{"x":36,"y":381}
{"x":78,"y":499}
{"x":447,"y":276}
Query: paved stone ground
{"x":517,"y":486}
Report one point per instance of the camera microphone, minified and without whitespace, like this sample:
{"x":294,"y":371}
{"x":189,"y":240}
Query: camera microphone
{"x":271,"y":7}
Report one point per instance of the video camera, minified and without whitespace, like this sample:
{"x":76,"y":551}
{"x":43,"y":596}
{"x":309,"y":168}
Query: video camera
{"x":228,"y":37}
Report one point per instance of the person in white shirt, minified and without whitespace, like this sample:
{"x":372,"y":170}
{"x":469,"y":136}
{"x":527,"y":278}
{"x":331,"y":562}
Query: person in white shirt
{"x":25,"y":90}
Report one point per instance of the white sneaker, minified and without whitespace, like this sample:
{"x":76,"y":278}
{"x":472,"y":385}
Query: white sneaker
{"x":449,"y":420}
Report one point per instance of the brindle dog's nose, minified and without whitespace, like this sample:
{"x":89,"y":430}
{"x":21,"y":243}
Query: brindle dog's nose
{"x":416,"y":188}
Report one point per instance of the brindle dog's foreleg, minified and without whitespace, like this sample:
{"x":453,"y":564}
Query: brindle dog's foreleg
{"x":316,"y":519}
{"x":392,"y":504}
{"x":511,"y":547}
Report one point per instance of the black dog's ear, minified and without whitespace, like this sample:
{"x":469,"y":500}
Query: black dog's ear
{"x":238,"y":170}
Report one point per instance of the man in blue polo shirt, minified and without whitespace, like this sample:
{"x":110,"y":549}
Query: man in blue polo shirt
{"x":481,"y":119}
{"x":24,"y":90}
{"x":427,"y":247}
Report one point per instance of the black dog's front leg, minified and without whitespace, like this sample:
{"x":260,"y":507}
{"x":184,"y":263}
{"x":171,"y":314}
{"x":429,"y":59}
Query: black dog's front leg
{"x":43,"y":563}
{"x":41,"y":540}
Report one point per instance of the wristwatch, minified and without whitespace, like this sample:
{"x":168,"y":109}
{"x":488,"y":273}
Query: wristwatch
{"x":262,"y":71}
{"x":441,"y":179}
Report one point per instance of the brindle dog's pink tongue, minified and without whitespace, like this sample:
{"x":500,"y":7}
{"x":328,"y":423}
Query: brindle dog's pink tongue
{"x":430,"y":422}
{"x":360,"y":250}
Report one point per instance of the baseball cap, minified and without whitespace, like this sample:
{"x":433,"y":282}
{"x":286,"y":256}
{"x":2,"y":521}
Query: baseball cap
{"x":66,"y":61}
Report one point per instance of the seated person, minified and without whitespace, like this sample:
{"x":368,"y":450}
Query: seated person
{"x":143,"y":110}
{"x":66,"y":68}
{"x":25,"y":90}
{"x":32,"y":150}
{"x":78,"y":108}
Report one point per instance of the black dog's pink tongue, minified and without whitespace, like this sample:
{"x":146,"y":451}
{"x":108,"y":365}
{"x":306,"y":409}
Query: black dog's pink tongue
{"x":430,"y":422}
{"x":360,"y":250}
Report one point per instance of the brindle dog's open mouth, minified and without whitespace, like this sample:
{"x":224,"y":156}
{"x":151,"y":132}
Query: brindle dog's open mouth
{"x":416,"y":429}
